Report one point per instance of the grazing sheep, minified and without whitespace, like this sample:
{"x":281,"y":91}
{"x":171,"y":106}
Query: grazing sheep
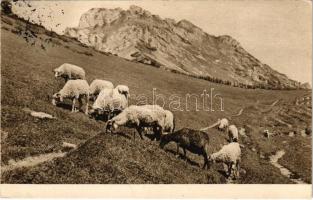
{"x":230,"y":154}
{"x":123,"y":89}
{"x":69,"y":72}
{"x":97,"y":85}
{"x":268,"y":134}
{"x":169,"y":120}
{"x":109,"y":101}
{"x":232,"y":133}
{"x":138,"y":117}
{"x":223,"y":124}
{"x":75,"y":90}
{"x":194,"y":141}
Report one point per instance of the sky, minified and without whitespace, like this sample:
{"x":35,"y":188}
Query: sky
{"x":278,"y":34}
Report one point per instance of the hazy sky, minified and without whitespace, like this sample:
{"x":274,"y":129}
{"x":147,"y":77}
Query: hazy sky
{"x":279,"y":33}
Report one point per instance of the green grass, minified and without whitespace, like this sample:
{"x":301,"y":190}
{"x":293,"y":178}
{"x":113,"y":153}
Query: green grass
{"x":27,"y":80}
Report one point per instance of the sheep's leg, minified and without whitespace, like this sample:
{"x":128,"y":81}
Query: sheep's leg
{"x":185,"y":154}
{"x":206,"y":162}
{"x":177,"y":151}
{"x":73,"y":105}
{"x":237,"y":169}
{"x":158,"y":131}
{"x":109,"y":115}
{"x":229,"y":169}
{"x":87,"y":104}
{"x":139,"y":130}
{"x":80,"y":101}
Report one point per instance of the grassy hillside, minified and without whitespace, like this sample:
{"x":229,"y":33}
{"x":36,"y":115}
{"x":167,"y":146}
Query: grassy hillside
{"x":27,"y":80}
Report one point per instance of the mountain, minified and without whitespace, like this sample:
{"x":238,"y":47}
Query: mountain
{"x":305,"y":86}
{"x":136,"y":34}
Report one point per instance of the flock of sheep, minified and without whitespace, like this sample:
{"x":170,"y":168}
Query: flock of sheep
{"x":113,"y":103}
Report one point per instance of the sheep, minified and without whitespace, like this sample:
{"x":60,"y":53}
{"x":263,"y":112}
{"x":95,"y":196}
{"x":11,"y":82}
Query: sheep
{"x":223,"y":124}
{"x":138,"y":117}
{"x":109,"y":100}
{"x":268,"y":134}
{"x":169,"y":120}
{"x":123,"y":89}
{"x":97,"y":85}
{"x":69,"y":72}
{"x":195,"y":141}
{"x":75,"y":90}
{"x":229,"y":154}
{"x":232,"y":133}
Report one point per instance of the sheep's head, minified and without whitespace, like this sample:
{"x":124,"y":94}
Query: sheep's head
{"x":111,"y":126}
{"x":56,"y":98}
{"x":57,"y":73}
{"x":211,"y":160}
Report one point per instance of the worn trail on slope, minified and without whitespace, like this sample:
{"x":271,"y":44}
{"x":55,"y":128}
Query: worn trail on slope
{"x":283,"y":170}
{"x":31,"y":161}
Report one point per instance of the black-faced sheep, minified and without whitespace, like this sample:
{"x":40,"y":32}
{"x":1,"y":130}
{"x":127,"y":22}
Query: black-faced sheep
{"x":123,"y":89}
{"x":138,"y":117}
{"x":69,"y":72}
{"x":74,"y":90}
{"x":192,"y":140}
{"x":108,"y":102}
{"x":233,"y":133}
{"x":97,"y":85}
{"x":230,"y":154}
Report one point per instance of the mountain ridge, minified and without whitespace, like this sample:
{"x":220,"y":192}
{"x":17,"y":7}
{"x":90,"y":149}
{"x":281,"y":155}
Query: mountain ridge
{"x":136,"y":34}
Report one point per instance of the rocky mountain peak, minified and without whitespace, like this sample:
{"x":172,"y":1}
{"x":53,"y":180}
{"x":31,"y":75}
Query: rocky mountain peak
{"x":136,"y":34}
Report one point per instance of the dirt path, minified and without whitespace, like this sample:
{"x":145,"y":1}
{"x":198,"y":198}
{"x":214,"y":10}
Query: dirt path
{"x":239,"y":113}
{"x":284,"y":171}
{"x":31,"y":161}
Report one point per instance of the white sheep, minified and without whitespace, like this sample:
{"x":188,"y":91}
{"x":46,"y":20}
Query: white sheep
{"x":97,"y":85}
{"x":75,"y":90}
{"x":69,"y":72}
{"x":109,"y":101}
{"x":169,"y":120}
{"x":223,"y":124}
{"x":139,"y":117}
{"x":268,"y":134}
{"x":230,"y":154}
{"x":232,"y":133}
{"x":123,"y":89}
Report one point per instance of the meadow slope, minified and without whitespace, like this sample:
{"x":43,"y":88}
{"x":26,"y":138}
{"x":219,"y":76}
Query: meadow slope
{"x":27,"y":81}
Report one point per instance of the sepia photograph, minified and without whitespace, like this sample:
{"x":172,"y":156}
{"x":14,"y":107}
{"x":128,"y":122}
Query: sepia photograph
{"x":156,"y":92}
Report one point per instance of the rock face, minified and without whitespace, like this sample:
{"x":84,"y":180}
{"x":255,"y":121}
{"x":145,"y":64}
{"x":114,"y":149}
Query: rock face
{"x":136,"y":34}
{"x":305,"y":86}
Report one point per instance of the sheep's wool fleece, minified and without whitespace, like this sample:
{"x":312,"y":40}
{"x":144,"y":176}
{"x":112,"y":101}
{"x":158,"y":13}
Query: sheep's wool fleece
{"x":169,"y":120}
{"x":223,"y":123}
{"x":101,"y":99}
{"x":97,"y":85}
{"x":229,"y":153}
{"x":71,"y":70}
{"x":74,"y":88}
{"x":139,"y":114}
{"x":109,"y":99}
{"x":233,"y":131}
